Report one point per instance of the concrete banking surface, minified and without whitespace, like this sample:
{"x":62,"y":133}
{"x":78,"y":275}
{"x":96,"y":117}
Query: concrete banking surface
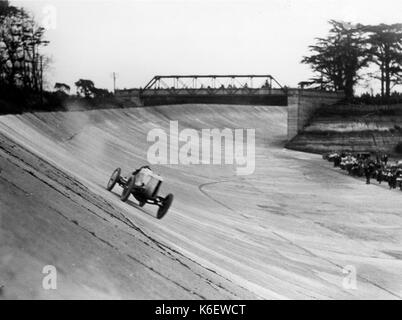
{"x":289,"y":230}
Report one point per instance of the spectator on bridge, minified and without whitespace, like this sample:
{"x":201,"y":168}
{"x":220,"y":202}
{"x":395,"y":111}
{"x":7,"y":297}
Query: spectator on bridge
{"x":266,"y":85}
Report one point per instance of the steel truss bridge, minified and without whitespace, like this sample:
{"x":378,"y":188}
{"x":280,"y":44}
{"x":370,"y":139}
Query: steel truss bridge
{"x":231,"y":89}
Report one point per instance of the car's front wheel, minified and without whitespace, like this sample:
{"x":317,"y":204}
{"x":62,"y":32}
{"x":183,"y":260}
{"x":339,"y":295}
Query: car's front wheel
{"x":113,"y":179}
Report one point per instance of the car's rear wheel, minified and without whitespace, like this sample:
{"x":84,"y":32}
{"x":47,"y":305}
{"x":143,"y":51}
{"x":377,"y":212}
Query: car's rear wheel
{"x":127,"y":189}
{"x":166,"y":203}
{"x":113,"y":179}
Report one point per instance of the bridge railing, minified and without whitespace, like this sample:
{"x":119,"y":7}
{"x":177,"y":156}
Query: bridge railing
{"x":212,"y":91}
{"x":226,"y":89}
{"x":213,"y":84}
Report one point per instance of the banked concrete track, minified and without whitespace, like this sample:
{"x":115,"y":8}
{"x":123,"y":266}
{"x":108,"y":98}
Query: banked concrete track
{"x":289,"y":230}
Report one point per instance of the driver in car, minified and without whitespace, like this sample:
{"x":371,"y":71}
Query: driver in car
{"x":140,"y":174}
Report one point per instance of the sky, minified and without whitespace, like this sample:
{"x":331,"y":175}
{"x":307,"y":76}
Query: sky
{"x":91,"y":39}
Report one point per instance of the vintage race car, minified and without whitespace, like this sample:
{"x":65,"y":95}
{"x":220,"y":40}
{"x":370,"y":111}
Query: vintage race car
{"x":144,"y":185}
{"x":330,"y":156}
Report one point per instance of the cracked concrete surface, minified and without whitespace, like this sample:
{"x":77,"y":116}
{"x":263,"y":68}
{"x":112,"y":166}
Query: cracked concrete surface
{"x":48,"y":217}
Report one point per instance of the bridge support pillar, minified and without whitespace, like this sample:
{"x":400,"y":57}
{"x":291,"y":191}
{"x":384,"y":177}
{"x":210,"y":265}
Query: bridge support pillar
{"x":303,"y":103}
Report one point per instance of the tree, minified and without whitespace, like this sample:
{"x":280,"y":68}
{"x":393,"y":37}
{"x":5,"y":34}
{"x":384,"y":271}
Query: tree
{"x":338,"y":58}
{"x":88,"y":90}
{"x":386,"y":45}
{"x":20,"y":41}
{"x":85,"y":88}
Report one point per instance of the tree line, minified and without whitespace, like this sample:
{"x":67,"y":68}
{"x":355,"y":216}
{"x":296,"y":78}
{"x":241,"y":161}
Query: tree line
{"x":21,"y":61}
{"x":21,"y":40}
{"x":23,"y":66}
{"x":338,"y":59}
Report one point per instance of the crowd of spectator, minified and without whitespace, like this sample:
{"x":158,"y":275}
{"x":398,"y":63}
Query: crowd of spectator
{"x":370,"y":166}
